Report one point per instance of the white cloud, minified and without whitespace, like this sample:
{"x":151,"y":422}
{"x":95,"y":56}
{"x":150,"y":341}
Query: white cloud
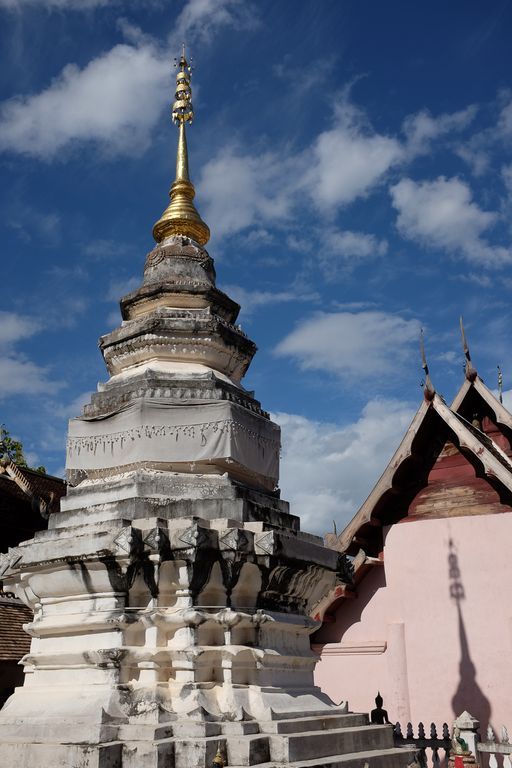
{"x":355,"y":246}
{"x":341,"y":250}
{"x":71,"y":5}
{"x":113,"y":319}
{"x":442,"y":214}
{"x":31,"y":224}
{"x":241,"y":191}
{"x":120,"y":287}
{"x":327,"y":470}
{"x":350,"y":247}
{"x":103,"y":248}
{"x":115,"y":100}
{"x":475,"y":155}
{"x":478,"y":150}
{"x":422,"y":128}
{"x":450,"y":357}
{"x":244,"y":189}
{"x":257,"y":238}
{"x":352,"y":345}
{"x":506,"y":175}
{"x":18,"y":374}
{"x":440,"y":211}
{"x":505,"y":119}
{"x":253,"y":300}
{"x":14,"y":328}
{"x":475,"y":278}
{"x":132,"y":33}
{"x":72,"y":409}
{"x":200,"y":20}
{"x":348,"y":160}
{"x":354,"y":305}
{"x":507,"y":397}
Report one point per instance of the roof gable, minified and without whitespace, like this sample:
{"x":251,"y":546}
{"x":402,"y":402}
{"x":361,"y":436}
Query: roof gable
{"x":474,"y":399}
{"x":434,"y":427}
{"x":24,"y":495}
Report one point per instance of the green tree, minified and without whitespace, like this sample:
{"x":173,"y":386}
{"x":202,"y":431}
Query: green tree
{"x":14,"y":450}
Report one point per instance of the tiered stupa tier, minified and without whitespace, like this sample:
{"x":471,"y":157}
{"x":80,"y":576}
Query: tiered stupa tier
{"x":173,"y":594}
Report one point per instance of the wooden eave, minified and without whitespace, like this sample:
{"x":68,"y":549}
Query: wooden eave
{"x":503,"y":416}
{"x":493,"y":460}
{"x":33,"y":484}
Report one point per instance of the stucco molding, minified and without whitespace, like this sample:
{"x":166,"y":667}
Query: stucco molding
{"x":361,"y":648}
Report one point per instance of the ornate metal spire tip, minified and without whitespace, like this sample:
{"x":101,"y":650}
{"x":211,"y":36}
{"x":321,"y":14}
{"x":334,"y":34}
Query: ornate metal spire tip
{"x":181,"y":216}
{"x":182,"y":109}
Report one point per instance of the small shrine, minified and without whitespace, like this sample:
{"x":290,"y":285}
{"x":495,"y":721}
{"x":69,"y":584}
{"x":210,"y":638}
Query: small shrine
{"x":174,"y":592}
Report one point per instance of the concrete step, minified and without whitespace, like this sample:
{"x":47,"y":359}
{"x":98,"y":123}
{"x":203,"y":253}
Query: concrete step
{"x":245,"y":750}
{"x":323,"y":743}
{"x":258,"y":749}
{"x":278,"y":714}
{"x":317,"y":723}
{"x":397,"y":757}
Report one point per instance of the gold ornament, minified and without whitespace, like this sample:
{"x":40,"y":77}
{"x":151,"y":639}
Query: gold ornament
{"x":181,"y":217}
{"x":218,"y":760}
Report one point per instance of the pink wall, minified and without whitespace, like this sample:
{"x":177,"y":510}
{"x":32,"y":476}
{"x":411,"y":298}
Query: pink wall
{"x":403,"y":636}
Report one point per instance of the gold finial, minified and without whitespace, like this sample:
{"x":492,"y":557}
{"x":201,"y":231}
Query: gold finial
{"x":181,"y":217}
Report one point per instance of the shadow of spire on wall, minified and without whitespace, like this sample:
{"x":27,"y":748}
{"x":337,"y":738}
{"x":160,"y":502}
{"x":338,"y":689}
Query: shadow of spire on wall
{"x":468,"y":695}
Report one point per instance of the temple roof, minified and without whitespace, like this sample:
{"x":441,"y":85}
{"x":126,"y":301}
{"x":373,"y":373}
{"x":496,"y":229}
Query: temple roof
{"x":435,"y":424}
{"x":14,"y":641}
{"x":21,"y":494}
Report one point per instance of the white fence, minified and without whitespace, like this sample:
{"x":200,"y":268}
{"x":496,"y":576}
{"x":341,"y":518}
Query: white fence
{"x":433,"y":751}
{"x":493,"y":752}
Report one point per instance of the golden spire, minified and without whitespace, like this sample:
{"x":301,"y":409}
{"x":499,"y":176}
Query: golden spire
{"x":181,"y":217}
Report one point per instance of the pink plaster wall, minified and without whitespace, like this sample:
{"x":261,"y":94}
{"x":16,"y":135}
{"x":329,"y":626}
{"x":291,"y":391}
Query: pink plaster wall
{"x":434,"y":665}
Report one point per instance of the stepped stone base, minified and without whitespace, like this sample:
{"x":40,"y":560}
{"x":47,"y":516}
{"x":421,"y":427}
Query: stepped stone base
{"x":341,"y":739}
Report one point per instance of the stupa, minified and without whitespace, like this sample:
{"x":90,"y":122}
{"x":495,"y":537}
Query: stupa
{"x":173,"y":594}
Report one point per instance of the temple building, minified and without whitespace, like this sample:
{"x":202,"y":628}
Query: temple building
{"x":425,"y":621}
{"x":26,"y":497}
{"x":173,"y":592}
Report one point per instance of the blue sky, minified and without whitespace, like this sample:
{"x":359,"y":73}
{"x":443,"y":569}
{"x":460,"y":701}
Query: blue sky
{"x":353,"y":161}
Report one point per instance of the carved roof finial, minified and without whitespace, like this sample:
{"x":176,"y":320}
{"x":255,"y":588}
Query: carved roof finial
{"x":428,"y":388}
{"x":181,"y":217}
{"x":500,"y":384}
{"x":470,"y":372}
